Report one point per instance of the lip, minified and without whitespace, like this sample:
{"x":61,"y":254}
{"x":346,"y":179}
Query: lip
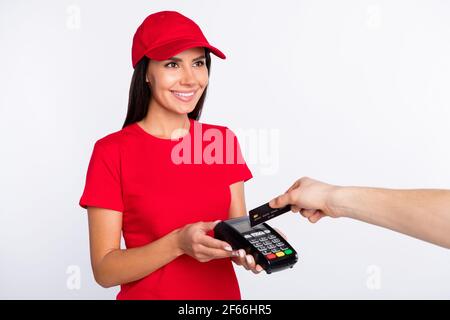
{"x":184,"y":99}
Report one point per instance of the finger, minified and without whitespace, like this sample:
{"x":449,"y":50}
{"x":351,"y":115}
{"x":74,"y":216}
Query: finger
{"x":252,"y":264}
{"x":307,"y":213}
{"x":316,"y":217}
{"x":250,"y":261}
{"x":212,"y":253}
{"x":295,"y":209}
{"x":236,"y":260}
{"x":241,"y":258}
{"x":280,"y":201}
{"x":257,"y":269}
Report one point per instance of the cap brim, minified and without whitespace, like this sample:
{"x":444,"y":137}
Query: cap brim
{"x":169,"y":50}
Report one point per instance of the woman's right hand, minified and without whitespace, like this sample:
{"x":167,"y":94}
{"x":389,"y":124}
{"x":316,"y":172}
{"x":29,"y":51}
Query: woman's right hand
{"x":193,"y":241}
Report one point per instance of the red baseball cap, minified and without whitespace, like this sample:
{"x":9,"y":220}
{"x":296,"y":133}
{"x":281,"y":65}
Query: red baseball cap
{"x":166,"y":33}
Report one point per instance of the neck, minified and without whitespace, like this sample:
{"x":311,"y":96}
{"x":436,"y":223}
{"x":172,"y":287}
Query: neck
{"x":162,"y":123}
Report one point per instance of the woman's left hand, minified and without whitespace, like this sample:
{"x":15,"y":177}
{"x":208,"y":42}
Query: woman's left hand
{"x":247,"y":261}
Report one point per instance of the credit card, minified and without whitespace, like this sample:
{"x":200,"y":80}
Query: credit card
{"x":265,"y":212}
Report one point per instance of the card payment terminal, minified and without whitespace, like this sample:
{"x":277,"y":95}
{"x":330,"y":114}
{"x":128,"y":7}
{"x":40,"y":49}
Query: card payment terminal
{"x":270,"y":250}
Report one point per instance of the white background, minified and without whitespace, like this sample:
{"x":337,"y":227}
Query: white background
{"x":358,"y":92}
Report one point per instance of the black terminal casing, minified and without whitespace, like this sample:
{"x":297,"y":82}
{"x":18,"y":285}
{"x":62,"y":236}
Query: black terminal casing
{"x":234,"y":232}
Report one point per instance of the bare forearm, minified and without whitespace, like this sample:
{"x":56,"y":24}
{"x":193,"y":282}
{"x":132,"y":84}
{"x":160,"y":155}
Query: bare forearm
{"x":424,"y":214}
{"x":126,"y":265}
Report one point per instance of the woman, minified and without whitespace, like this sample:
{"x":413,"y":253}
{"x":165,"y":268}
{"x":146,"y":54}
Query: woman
{"x":159,"y":178}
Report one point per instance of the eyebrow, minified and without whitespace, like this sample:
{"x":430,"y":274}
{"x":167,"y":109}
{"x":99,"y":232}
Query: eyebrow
{"x":178,"y":59}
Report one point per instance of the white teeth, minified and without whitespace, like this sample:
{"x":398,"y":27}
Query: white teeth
{"x":183,"y":94}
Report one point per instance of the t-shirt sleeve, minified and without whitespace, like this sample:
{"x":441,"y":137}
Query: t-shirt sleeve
{"x":103,"y":187}
{"x":237,"y":169}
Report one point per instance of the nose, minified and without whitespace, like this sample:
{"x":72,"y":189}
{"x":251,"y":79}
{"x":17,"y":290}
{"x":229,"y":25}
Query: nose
{"x":188,"y":77}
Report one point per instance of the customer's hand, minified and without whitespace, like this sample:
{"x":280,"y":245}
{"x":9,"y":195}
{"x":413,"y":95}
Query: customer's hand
{"x":310,"y":197}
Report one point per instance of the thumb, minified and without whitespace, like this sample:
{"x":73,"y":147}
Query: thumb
{"x":280,"y":201}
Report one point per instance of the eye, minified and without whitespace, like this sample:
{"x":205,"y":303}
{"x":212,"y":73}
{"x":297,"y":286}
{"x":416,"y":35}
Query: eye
{"x":202,"y":63}
{"x":170,"y":63}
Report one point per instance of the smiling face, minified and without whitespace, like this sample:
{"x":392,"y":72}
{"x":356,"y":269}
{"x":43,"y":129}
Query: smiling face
{"x":178,"y":83}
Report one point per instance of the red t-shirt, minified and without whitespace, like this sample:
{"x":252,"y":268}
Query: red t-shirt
{"x":160,"y":185}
